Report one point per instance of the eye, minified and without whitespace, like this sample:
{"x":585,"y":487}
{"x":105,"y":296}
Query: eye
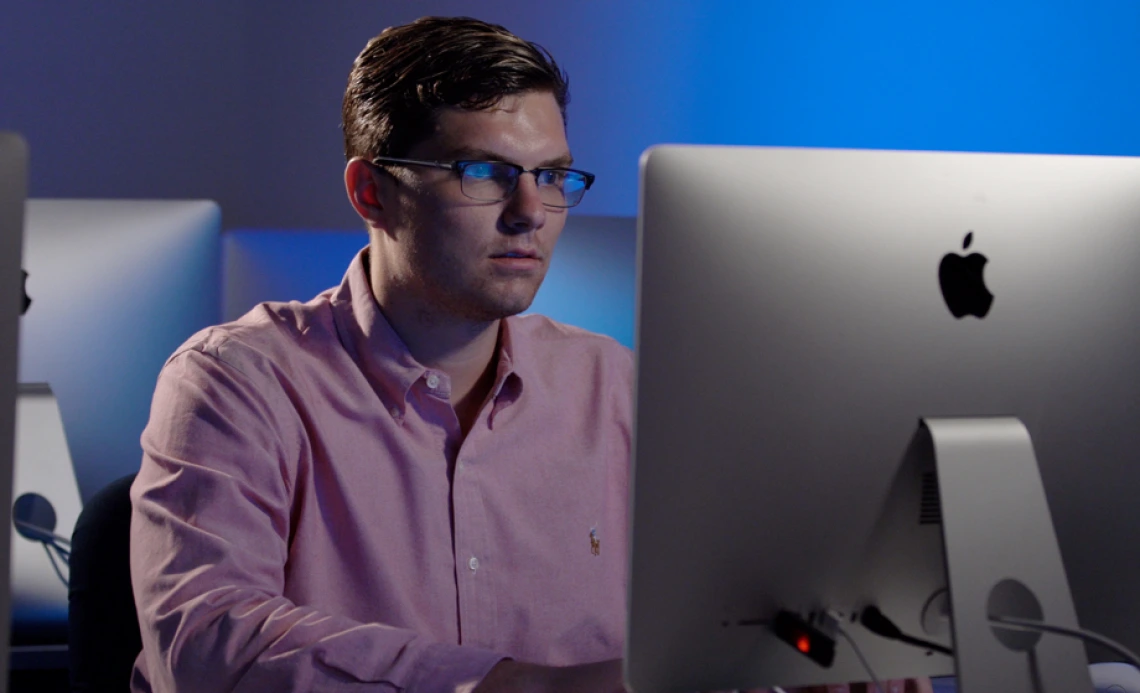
{"x":480,"y":170}
{"x":553,"y":176}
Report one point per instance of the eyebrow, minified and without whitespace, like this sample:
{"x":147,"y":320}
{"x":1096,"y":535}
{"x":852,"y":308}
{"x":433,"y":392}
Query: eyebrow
{"x":468,"y":154}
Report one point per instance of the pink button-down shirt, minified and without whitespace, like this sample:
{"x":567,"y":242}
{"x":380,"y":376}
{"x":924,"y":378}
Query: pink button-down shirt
{"x":308,"y":515}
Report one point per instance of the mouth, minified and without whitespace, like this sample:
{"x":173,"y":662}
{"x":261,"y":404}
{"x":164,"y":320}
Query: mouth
{"x":518,"y":261}
{"x":517,"y":255}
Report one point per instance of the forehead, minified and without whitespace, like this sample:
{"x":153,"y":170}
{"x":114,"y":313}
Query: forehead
{"x":525,"y":128}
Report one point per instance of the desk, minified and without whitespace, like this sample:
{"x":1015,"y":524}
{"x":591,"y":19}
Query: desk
{"x":38,"y":669}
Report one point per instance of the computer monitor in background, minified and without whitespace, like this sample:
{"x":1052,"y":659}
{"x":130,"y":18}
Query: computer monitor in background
{"x":13,"y":192}
{"x":116,"y":286}
{"x":792,"y":332}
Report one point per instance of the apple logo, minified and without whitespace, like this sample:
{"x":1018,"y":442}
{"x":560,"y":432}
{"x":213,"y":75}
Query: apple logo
{"x":963,"y":286}
{"x":27,"y":299}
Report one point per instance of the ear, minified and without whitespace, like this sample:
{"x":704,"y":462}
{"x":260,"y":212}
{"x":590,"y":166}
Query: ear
{"x":366,"y":186}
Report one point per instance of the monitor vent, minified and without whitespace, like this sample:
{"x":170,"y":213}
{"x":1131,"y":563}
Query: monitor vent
{"x":930,"y":506}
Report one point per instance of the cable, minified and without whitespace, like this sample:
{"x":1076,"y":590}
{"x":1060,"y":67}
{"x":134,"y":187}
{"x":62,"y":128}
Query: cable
{"x":859,"y":653}
{"x":55,"y":567}
{"x":1089,"y":636}
{"x":878,"y":623}
{"x":64,"y":554}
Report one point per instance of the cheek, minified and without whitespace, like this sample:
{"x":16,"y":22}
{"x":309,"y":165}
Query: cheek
{"x":446,"y":248}
{"x":556,"y":230}
{"x":551,"y":233}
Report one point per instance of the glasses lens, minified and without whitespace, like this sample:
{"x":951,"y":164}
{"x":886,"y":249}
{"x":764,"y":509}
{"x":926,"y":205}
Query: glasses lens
{"x":493,"y":181}
{"x":488,"y":181}
{"x":573,"y":187}
{"x":561,"y":187}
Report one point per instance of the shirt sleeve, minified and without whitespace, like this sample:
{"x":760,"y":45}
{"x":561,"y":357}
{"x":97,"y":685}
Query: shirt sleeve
{"x":209,"y":546}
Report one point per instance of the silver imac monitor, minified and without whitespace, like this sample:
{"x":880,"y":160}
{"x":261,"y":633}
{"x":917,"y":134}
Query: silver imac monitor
{"x":13,"y":192}
{"x":116,"y":286}
{"x":801,"y":314}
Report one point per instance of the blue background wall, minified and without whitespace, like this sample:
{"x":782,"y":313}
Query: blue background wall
{"x":238,"y":101}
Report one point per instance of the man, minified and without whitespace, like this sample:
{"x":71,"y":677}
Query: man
{"x":400,"y":484}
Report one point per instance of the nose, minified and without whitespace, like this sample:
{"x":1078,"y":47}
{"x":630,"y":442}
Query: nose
{"x":525,"y":211}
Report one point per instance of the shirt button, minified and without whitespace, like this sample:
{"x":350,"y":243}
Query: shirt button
{"x":473,"y":564}
{"x":433,"y":381}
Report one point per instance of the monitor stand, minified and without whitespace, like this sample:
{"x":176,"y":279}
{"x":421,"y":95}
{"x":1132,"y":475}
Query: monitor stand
{"x":1002,"y":559}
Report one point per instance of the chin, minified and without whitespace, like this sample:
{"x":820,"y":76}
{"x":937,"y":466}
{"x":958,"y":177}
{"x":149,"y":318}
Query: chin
{"x":500,"y":312}
{"x":501,"y":307}
{"x":488,"y":302}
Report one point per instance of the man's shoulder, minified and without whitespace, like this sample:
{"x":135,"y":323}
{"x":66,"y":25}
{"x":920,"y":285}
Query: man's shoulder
{"x":572,"y":374}
{"x":568,"y":356}
{"x":272,"y":334}
{"x":551,"y":338}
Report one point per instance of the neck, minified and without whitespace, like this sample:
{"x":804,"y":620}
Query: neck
{"x":465,"y":350}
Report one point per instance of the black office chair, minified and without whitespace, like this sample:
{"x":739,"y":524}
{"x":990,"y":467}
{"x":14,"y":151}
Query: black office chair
{"x":102,"y":624}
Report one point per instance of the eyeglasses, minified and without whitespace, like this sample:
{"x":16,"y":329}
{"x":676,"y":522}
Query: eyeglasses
{"x":495,"y":181}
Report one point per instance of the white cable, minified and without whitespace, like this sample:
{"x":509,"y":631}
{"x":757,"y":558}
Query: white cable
{"x":64,"y":554}
{"x":1038,"y":626}
{"x":777,"y":689}
{"x":859,"y":654}
{"x":51,"y":557}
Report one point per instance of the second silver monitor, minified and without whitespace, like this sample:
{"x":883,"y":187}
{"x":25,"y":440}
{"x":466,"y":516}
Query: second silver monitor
{"x":13,"y":192}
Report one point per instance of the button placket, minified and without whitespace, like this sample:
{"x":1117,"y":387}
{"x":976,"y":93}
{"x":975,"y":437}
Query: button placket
{"x":476,"y":601}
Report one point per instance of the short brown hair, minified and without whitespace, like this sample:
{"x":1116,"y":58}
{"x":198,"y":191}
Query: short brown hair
{"x":407,"y":72}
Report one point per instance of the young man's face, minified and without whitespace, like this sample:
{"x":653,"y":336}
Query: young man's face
{"x":460,"y":257}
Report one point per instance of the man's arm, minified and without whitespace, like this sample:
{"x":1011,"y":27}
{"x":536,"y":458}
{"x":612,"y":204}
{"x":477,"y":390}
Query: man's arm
{"x":516,"y":677}
{"x":210,"y":539}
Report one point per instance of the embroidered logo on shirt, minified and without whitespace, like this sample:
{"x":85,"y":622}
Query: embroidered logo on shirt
{"x":595,"y":543}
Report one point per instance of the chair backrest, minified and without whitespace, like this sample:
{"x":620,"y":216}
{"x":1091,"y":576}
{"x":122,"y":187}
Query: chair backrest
{"x":102,"y":624}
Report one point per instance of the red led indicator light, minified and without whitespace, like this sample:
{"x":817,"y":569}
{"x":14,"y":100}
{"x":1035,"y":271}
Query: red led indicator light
{"x":803,"y":644}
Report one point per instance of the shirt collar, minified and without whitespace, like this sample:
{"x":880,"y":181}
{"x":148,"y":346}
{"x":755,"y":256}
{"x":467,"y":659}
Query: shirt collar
{"x":512,"y":363}
{"x":384,"y":358}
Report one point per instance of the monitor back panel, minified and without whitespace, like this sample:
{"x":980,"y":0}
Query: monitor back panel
{"x":791,"y":332}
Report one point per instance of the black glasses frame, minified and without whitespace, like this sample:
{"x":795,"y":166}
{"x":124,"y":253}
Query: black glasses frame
{"x":460,"y":166}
